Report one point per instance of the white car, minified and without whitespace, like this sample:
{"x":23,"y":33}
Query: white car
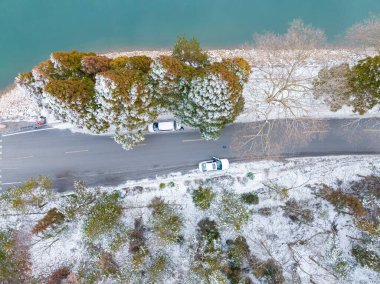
{"x":215,"y":164}
{"x":164,"y":126}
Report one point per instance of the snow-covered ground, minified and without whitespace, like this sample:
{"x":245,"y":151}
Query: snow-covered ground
{"x":14,"y":105}
{"x":307,"y":251}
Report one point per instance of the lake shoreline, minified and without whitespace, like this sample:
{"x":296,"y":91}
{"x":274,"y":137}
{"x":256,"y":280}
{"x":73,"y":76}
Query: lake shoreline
{"x":12,"y":99}
{"x":216,"y":54}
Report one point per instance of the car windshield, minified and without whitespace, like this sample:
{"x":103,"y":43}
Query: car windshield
{"x":219,"y":165}
{"x":155,"y":126}
{"x":203,"y":167}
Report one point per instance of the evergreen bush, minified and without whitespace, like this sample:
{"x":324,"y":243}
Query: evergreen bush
{"x":202,"y":197}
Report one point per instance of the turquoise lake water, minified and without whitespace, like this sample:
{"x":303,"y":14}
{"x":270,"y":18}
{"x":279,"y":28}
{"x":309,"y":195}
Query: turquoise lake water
{"x":31,"y":29}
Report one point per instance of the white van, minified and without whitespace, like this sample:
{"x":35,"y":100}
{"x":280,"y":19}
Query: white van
{"x":164,"y":126}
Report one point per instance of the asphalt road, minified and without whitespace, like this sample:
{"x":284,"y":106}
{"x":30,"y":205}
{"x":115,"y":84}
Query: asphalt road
{"x":66,"y":156}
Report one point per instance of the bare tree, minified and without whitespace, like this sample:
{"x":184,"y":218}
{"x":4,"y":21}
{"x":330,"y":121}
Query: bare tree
{"x":333,"y":86}
{"x":298,"y":37}
{"x":281,"y":89}
{"x":365,"y":33}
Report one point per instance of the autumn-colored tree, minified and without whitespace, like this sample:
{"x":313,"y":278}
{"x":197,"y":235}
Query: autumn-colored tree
{"x":69,"y":61}
{"x":52,"y":219}
{"x":95,"y":64}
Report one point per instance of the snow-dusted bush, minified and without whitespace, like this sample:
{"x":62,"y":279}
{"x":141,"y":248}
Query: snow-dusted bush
{"x":202,"y":197}
{"x":103,"y":216}
{"x":208,"y":261}
{"x":166,"y":222}
{"x":366,"y":257}
{"x":137,"y":243}
{"x":157,"y":268}
{"x":232,"y":212}
{"x":31,"y":194}
{"x":250,"y":198}
{"x":211,"y":99}
{"x":125,"y":101}
{"x":15,"y":265}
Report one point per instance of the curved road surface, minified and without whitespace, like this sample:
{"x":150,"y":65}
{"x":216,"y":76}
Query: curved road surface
{"x":65,"y":156}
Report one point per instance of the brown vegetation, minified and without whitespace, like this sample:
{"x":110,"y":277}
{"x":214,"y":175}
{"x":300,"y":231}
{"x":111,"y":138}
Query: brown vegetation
{"x":95,"y":64}
{"x":342,"y":200}
{"x":52,"y":219}
{"x":59,"y":275}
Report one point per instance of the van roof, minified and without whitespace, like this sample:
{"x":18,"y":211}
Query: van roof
{"x":166,"y":125}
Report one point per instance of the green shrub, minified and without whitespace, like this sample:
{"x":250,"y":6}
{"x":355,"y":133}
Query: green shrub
{"x":103,"y":216}
{"x":190,"y":52}
{"x":232,"y":212}
{"x":8,"y":266}
{"x":31,"y":193}
{"x":162,"y":185}
{"x":119,"y":62}
{"x":238,"y":251}
{"x":202,"y":197}
{"x":79,"y":203}
{"x":157,"y":268}
{"x":280,"y":192}
{"x":208,"y":259}
{"x":119,"y":239}
{"x":250,"y":198}
{"x":250,"y":175}
{"x":366,"y":257}
{"x":171,"y":184}
{"x":270,"y":270}
{"x":141,"y":63}
{"x":15,"y":265}
{"x":365,"y":80}
{"x":208,"y":230}
{"x":166,"y":222}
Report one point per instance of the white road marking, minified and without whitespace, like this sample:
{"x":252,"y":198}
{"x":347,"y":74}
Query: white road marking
{"x":26,"y":157}
{"x":192,"y":140}
{"x":9,"y":183}
{"x":372,"y":129}
{"x":316,"y":131}
{"x":79,"y":151}
{"x":19,"y":133}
